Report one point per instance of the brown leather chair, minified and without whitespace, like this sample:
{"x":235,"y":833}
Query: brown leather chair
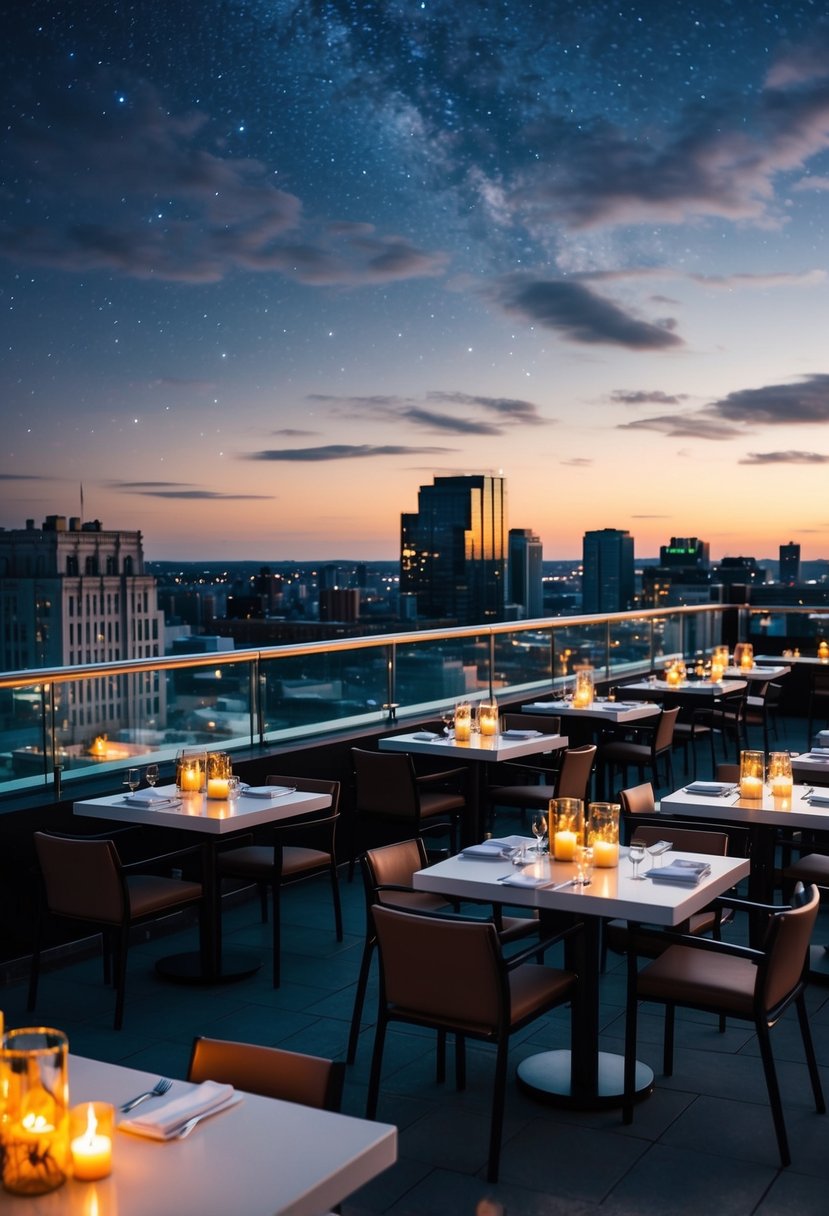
{"x":84,"y":879}
{"x":387,"y":880}
{"x":270,"y":1071}
{"x":571,"y":781}
{"x":754,"y":985}
{"x":388,"y":791}
{"x":450,"y":975}
{"x":299,"y":848}
{"x":623,"y":754}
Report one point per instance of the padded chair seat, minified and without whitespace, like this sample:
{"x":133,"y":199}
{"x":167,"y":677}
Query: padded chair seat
{"x":150,"y":893}
{"x":438,"y":802}
{"x":814,"y":867}
{"x":686,"y":976}
{"x":535,"y":983}
{"x":522,"y":795}
{"x":617,"y":933}
{"x":255,"y":860}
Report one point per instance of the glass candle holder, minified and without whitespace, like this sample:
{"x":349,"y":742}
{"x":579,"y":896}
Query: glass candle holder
{"x":780,"y":774}
{"x":567,"y":827}
{"x":91,"y":1138}
{"x":583,"y":693}
{"x":752,"y":774}
{"x":35,"y":1127}
{"x":219,"y":772}
{"x":463,"y":722}
{"x":747,"y":657}
{"x":823,"y":651}
{"x":488,"y":718}
{"x":603,"y":833}
{"x":673,"y":675}
{"x":190,"y":771}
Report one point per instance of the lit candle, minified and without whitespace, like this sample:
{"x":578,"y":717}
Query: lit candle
{"x":91,"y":1151}
{"x":717,"y":670}
{"x":781,"y":786}
{"x":190,"y":779}
{"x":751,"y":787}
{"x":564,"y":845}
{"x":488,"y":720}
{"x":463,"y":722}
{"x":217,"y":787}
{"x":605,"y":853}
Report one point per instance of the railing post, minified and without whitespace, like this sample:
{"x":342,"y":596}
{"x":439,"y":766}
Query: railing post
{"x":257,"y":709}
{"x":607,"y":650}
{"x":491,"y":665}
{"x":391,"y":683}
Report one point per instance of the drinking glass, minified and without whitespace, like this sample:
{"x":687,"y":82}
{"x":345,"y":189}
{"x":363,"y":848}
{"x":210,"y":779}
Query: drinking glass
{"x":539,"y":826}
{"x":133,"y":779}
{"x":448,"y":720}
{"x":151,"y":775}
{"x":636,"y":853}
{"x":584,"y":866}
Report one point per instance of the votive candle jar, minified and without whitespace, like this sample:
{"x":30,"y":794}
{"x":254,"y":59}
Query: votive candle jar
{"x":463,"y":722}
{"x":567,"y":827}
{"x":35,"y":1128}
{"x":583,"y":694}
{"x":219,"y":772}
{"x":752,"y":774}
{"x":488,"y":718}
{"x":603,"y":833}
{"x":780,"y":774}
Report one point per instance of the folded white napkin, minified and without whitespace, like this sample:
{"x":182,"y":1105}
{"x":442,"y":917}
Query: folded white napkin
{"x":522,"y":879}
{"x":820,"y":751}
{"x":818,"y":800}
{"x":150,"y":797}
{"x":495,"y":850}
{"x":267,"y":791}
{"x":520,"y":734}
{"x":425,"y":736}
{"x":682,"y":871}
{"x":716,"y":788}
{"x":541,"y":706}
{"x":162,"y":1122}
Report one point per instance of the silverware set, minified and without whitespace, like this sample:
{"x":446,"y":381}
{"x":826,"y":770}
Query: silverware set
{"x":158,"y":1090}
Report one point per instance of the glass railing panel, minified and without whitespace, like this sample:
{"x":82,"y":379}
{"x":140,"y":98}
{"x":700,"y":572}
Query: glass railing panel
{"x":324,"y":689}
{"x":435,"y":673}
{"x":630,"y":648}
{"x":576,"y":646}
{"x":523,"y":662}
{"x":207,"y":706}
{"x":26,"y":757}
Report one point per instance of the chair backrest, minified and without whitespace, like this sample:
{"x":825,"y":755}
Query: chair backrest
{"x":311,"y":785}
{"x":547,"y":724}
{"x":444,"y":970}
{"x":385,"y":784}
{"x":787,"y":948}
{"x":664,"y":734}
{"x":638,"y":800}
{"x":394,"y":864}
{"x":270,"y":1071}
{"x":727,"y":772}
{"x":684,"y":840}
{"x":574,"y":775}
{"x":82,"y":877}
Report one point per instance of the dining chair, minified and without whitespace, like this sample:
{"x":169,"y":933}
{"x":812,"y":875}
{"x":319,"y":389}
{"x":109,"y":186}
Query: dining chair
{"x":752,"y":985}
{"x":623,"y":754}
{"x":388,"y":872}
{"x":389,"y":792}
{"x":298,"y":848}
{"x":728,"y":719}
{"x":818,"y":703}
{"x":571,"y":780}
{"x":449,"y":974}
{"x":692,"y":730}
{"x":272,"y":1072}
{"x":84,"y":879}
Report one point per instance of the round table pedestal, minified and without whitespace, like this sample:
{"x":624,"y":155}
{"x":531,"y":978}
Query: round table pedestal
{"x":188,"y":968}
{"x":547,"y":1076}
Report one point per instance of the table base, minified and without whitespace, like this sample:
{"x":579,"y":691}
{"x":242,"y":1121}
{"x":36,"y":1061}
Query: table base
{"x":188,"y":968}
{"x":547,"y":1076}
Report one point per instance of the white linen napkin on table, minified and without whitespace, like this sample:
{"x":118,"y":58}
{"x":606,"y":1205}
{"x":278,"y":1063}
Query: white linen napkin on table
{"x":165,"y":1120}
{"x":425,"y":736}
{"x":520,"y":879}
{"x":267,"y":791}
{"x":150,"y":797}
{"x":514,"y":733}
{"x":494,"y":850}
{"x":818,"y":799}
{"x":715,"y":788}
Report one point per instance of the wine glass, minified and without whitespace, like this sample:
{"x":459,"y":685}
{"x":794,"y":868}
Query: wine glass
{"x":133,"y":779}
{"x":151,"y":775}
{"x":636,"y":853}
{"x":539,"y":826}
{"x":447,"y":717}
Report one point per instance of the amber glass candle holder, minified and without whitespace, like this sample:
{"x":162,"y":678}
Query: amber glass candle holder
{"x":567,"y":827}
{"x":603,"y":833}
{"x":583,"y":694}
{"x":219,"y":772}
{"x":463,"y":722}
{"x":35,"y":1127}
{"x":779,"y":775}
{"x":752,"y":775}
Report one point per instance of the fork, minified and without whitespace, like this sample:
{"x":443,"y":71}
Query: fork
{"x":161,"y":1086}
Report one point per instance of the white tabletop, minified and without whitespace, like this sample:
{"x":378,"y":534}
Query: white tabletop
{"x":261,"y":1157}
{"x":699,"y":688}
{"x":803,"y":660}
{"x":756,"y":673}
{"x":600,"y":710}
{"x":767,"y":811}
{"x":490,"y":748}
{"x":197,"y":813}
{"x":612,"y":893}
{"x":811,"y":766}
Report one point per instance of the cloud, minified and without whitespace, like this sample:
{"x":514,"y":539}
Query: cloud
{"x":802,"y":403}
{"x":580,"y":315}
{"x":23,"y":477}
{"x":806,"y":278}
{"x":784,"y":458}
{"x":172,"y":489}
{"x":509,"y":411}
{"x":578,"y":462}
{"x":345,"y":451}
{"x":187,"y":212}
{"x":646,"y":397}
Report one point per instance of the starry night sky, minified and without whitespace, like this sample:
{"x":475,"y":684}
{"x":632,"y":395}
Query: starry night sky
{"x":267,"y":267}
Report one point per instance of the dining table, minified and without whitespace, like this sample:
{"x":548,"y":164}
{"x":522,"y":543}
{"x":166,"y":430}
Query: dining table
{"x":582,"y":1077}
{"x":759,"y":673}
{"x":213,"y":821}
{"x":700,"y":692}
{"x":476,"y":752}
{"x":259,"y":1157}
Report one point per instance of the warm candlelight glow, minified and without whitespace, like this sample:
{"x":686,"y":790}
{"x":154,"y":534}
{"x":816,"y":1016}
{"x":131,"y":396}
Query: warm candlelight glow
{"x":564,"y":845}
{"x":752,"y":774}
{"x":217,"y":787}
{"x":751,"y":787}
{"x":488,"y":718}
{"x":603,"y":833}
{"x":823,"y":651}
{"x":463,"y":722}
{"x":92,"y":1150}
{"x":190,"y":779}
{"x":583,"y":694}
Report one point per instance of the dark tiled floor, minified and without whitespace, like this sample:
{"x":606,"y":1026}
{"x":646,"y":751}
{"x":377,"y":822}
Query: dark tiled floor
{"x":703,"y":1142}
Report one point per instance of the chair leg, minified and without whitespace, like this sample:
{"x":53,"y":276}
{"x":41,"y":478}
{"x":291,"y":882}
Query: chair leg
{"x":809,"y":1049}
{"x":668,"y":1042}
{"x":631,"y":1015}
{"x":263,"y":901}
{"x":359,"y":999}
{"x":440,"y":1058}
{"x":460,"y":1062}
{"x":376,"y":1066}
{"x":335,"y":895}
{"x":277,"y":934}
{"x":121,"y":949}
{"x":774,"y":1093}
{"x":499,"y":1090}
{"x":34,"y":969}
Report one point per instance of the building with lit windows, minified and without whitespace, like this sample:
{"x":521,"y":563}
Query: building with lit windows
{"x":789,"y":573}
{"x":453,"y":550}
{"x":524,"y":572}
{"x":607,"y":577}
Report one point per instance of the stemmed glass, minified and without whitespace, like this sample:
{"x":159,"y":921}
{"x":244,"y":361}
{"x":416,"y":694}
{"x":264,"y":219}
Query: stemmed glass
{"x":133,"y":779}
{"x":539,"y":826}
{"x":636,"y":853}
{"x":151,"y":775}
{"x":447,"y":717}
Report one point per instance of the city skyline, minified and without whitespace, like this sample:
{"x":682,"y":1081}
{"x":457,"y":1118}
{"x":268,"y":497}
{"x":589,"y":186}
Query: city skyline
{"x":269,"y":269}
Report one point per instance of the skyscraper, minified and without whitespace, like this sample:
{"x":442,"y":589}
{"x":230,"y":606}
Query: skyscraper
{"x":607,"y":578}
{"x":790,"y":564}
{"x":524,"y":572}
{"x":453,"y":551}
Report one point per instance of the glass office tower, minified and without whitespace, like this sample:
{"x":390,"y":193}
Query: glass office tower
{"x":453,"y":550}
{"x":607,"y":579}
